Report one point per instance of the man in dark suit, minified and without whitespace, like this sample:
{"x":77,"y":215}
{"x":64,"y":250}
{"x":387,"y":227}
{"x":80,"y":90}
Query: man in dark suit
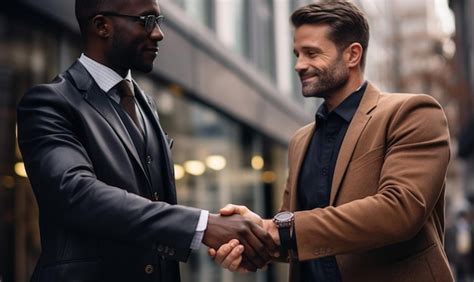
{"x":100,"y":167}
{"x":364,"y":199}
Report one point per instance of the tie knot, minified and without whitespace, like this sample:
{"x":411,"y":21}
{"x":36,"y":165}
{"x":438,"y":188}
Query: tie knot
{"x":125,"y":88}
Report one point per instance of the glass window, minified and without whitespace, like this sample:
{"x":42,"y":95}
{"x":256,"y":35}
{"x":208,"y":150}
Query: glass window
{"x":30,"y":51}
{"x":262,"y":40}
{"x":232,"y":24}
{"x":200,"y":10}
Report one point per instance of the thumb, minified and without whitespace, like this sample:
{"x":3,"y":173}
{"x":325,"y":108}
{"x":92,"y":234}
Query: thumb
{"x":231,"y":209}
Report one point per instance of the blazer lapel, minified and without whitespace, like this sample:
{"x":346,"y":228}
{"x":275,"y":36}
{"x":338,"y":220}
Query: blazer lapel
{"x":301,"y":147}
{"x":358,"y":123}
{"x":150,"y":111}
{"x":98,"y":100}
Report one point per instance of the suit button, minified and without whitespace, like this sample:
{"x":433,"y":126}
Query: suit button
{"x":149,"y":269}
{"x":149,"y":159}
{"x":155,"y":196}
{"x":171,"y":252}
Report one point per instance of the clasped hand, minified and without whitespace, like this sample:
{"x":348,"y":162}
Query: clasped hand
{"x":254,"y":246}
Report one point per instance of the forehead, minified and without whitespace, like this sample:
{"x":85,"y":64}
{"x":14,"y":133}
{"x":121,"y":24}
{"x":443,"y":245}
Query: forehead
{"x":136,"y":7}
{"x":311,"y":35}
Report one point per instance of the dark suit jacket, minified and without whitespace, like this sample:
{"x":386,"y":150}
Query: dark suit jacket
{"x":93,"y":190}
{"x":385,"y":221}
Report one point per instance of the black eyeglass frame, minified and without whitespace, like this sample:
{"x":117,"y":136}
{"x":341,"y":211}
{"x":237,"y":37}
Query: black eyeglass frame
{"x":149,"y":21}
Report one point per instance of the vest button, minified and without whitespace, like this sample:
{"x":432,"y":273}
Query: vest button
{"x":149,"y":269}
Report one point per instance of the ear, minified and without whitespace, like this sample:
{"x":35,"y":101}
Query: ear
{"x":353,"y":54}
{"x":101,"y":26}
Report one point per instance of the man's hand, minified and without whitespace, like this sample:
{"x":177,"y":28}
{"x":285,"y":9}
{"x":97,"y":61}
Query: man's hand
{"x":229,"y":255}
{"x":231,"y":209}
{"x":258,"y":244}
{"x":266,"y":224}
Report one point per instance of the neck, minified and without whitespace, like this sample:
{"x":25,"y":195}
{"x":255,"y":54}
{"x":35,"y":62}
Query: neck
{"x":101,"y":59}
{"x":337,"y":97}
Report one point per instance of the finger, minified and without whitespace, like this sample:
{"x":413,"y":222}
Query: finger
{"x":255,"y":250}
{"x":270,"y":246}
{"x":231,"y":209}
{"x":247,"y":264}
{"x":225,"y":250}
{"x":233,"y":260}
{"x":227,"y":210}
{"x":212,"y":253}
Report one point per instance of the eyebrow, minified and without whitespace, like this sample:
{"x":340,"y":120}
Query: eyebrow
{"x":150,"y":12}
{"x":310,"y":48}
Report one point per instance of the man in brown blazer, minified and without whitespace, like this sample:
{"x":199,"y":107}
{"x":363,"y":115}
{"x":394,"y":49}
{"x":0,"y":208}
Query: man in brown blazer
{"x":364,"y":199}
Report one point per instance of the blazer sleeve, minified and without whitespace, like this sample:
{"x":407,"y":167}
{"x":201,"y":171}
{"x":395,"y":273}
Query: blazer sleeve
{"x":411,"y":182}
{"x":69,"y":193}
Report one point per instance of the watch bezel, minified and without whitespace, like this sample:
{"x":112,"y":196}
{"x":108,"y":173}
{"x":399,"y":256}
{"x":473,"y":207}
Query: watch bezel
{"x":284,"y":219}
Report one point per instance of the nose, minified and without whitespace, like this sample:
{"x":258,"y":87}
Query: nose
{"x":300,"y":64}
{"x":157,"y":33}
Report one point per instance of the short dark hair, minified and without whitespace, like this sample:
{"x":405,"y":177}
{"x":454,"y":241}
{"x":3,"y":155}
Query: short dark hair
{"x":347,"y":22}
{"x":85,"y":9}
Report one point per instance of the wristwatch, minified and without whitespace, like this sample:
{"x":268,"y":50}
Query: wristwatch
{"x":284,"y":222}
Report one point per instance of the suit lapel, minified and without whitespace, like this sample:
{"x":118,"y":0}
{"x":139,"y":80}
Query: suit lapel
{"x":358,"y":123}
{"x":149,"y":109}
{"x":301,"y":148}
{"x":99,"y":101}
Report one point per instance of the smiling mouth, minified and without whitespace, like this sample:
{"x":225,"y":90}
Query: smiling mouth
{"x":307,"y":78}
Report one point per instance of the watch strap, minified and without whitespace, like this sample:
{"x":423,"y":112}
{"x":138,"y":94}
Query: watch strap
{"x":285,"y":239}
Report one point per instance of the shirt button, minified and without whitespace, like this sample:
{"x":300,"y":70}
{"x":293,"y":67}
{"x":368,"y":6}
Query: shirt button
{"x":149,"y":269}
{"x":148,"y":159}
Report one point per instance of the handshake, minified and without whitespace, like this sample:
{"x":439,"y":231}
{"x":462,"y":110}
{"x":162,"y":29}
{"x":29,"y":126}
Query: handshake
{"x":240,"y":240}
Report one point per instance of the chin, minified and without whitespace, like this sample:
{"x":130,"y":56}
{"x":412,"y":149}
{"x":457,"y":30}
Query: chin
{"x":312,"y":93}
{"x":144,"y":68}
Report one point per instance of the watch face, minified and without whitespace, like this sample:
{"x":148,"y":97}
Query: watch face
{"x":284,"y":216}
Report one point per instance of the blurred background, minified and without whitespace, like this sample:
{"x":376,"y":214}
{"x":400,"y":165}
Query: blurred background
{"x":227,"y":93}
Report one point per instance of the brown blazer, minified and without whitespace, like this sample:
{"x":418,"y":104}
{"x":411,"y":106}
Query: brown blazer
{"x":385,"y":221}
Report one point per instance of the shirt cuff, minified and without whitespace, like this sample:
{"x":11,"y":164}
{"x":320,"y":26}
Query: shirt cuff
{"x":200,"y":228}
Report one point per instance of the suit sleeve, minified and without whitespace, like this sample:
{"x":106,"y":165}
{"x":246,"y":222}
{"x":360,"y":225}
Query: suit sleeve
{"x":69,"y":193}
{"x":411,"y":182}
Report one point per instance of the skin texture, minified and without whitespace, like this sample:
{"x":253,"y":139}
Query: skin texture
{"x":258,"y":243}
{"x":122,"y":43}
{"x":326,"y":71}
{"x":319,"y":65}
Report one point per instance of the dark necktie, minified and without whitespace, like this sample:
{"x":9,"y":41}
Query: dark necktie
{"x":127,"y":100}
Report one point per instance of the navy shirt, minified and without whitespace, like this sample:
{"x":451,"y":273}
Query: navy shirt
{"x":315,"y":179}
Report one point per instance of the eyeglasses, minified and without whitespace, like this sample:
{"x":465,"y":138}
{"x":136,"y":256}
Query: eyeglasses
{"x":149,"y":21}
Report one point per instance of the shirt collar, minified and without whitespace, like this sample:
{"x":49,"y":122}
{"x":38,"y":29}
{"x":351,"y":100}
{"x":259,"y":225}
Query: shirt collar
{"x":347,"y":108}
{"x":104,"y":76}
